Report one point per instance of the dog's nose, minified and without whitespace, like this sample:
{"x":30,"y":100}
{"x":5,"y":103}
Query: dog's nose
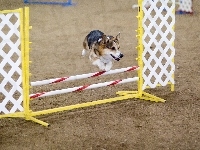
{"x":121,"y":55}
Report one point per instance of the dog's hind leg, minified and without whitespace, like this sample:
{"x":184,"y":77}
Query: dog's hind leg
{"x":83,"y":52}
{"x":85,"y":47}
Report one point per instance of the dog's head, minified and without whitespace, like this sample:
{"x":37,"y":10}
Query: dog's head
{"x":110,"y":46}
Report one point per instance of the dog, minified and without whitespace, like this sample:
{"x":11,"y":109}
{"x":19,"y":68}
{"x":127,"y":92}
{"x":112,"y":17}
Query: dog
{"x":103,"y":49}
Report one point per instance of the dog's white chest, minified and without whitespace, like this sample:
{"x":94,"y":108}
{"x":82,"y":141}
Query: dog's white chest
{"x":106,"y":59}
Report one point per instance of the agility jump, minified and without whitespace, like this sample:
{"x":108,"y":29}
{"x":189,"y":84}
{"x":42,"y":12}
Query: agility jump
{"x":84,"y":87}
{"x":155,"y":64}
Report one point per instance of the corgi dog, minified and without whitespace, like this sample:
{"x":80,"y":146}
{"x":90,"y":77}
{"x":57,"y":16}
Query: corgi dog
{"x":103,"y":49}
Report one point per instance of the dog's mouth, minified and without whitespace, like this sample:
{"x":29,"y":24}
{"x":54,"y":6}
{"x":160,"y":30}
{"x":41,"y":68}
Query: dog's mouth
{"x":117,"y":58}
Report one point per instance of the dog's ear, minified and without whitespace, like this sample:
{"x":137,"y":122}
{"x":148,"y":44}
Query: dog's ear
{"x":118,"y":36}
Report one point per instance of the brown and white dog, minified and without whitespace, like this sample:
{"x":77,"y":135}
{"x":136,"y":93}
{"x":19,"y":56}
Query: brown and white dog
{"x":102,"y":49}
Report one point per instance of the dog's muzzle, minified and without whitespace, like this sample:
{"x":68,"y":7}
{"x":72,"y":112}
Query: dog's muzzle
{"x":118,"y":58}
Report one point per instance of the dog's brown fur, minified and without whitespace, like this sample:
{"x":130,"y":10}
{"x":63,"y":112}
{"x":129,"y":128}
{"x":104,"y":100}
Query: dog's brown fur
{"x":100,"y":51}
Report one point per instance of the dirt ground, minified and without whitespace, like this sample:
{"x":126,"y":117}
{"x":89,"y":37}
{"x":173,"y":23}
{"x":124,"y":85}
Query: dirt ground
{"x":133,"y":124}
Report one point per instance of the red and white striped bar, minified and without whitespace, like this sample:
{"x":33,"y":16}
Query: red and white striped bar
{"x":84,"y":87}
{"x":83,"y":76}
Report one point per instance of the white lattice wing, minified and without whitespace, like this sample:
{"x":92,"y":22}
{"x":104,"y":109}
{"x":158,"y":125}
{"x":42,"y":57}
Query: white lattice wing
{"x":11,"y":94}
{"x":158,"y":39}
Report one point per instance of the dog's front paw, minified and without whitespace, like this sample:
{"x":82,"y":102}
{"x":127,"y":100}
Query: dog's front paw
{"x":107,"y":69}
{"x":100,"y":64}
{"x":102,"y":68}
{"x":108,"y":66}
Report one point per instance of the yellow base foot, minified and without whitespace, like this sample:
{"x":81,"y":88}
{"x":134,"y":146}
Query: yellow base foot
{"x":39,"y":121}
{"x":143,"y":96}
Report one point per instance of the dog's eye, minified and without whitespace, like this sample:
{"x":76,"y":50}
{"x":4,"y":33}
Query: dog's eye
{"x":113,"y":48}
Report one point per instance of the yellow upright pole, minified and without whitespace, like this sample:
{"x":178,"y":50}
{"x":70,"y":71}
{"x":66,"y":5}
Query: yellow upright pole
{"x":140,"y":47}
{"x":173,"y":28}
{"x":25,"y":63}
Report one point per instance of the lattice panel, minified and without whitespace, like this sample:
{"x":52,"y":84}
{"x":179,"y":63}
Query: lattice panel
{"x":158,"y":39}
{"x":185,"y":6}
{"x":11,"y":95}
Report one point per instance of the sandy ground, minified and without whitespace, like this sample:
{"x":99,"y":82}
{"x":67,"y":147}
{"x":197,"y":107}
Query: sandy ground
{"x":133,"y":124}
